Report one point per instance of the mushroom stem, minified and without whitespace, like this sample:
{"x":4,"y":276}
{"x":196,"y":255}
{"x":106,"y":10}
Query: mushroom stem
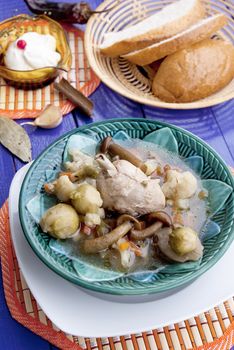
{"x":96,"y":245}
{"x":147,"y":232}
{"x":126,"y":217}
{"x":105,"y":144}
{"x":161,"y":216}
{"x":123,"y":153}
{"x":116,"y":150}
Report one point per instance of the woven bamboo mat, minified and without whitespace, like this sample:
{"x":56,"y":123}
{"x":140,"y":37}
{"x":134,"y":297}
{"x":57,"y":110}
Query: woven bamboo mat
{"x":212,"y":330}
{"x":17,"y":103}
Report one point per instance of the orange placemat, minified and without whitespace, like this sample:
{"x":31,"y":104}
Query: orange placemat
{"x":212,"y":330}
{"x":17,"y":103}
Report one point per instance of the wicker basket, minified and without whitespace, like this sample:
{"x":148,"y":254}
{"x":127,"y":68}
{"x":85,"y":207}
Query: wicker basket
{"x":125,"y":77}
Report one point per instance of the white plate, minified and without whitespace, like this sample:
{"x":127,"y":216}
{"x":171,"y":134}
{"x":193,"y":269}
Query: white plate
{"x":77,"y":312}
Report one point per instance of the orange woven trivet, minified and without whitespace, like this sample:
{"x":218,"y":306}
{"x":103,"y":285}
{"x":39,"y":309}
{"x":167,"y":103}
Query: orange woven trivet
{"x":16,"y":103}
{"x":212,"y":330}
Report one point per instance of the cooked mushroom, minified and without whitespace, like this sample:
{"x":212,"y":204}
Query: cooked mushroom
{"x":126,"y":217}
{"x":96,"y":245}
{"x":116,"y":150}
{"x":105,"y":144}
{"x":164,"y":246}
{"x":161,"y":216}
{"x":139,"y":235}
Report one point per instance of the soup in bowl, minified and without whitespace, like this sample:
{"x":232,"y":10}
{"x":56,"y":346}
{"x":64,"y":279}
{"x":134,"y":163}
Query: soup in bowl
{"x":141,"y":209}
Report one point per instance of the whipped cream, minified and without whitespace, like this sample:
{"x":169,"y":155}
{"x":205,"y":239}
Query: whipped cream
{"x":38,"y":51}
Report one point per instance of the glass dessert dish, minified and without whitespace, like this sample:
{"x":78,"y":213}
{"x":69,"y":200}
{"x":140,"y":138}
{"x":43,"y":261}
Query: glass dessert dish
{"x":12,"y":29}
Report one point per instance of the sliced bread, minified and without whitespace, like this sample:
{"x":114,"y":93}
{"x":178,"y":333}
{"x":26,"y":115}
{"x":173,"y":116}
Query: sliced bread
{"x":198,"y":32}
{"x":171,"y":20}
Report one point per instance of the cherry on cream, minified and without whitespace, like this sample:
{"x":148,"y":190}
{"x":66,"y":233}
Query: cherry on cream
{"x":21,"y":44}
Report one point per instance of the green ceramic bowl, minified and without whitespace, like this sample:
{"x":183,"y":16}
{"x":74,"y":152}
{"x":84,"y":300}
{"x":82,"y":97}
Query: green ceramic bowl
{"x":189,"y":145}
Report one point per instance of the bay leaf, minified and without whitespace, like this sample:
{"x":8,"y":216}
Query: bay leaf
{"x":15,"y":139}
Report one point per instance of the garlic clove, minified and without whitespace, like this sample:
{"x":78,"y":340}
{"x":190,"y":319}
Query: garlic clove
{"x":49,"y":118}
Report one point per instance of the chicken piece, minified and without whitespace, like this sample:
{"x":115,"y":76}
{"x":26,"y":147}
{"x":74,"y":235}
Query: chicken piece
{"x":179,"y":185}
{"x":126,"y":189}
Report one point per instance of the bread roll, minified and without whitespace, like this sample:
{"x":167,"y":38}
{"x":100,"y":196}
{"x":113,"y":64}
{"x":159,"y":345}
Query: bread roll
{"x":196,"y":72}
{"x":163,"y":24}
{"x":197,"y":32}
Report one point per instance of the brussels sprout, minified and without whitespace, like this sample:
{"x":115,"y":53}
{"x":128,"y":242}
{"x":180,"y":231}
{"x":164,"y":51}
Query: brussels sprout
{"x":163,"y":243}
{"x":183,"y":240}
{"x":60,"y":221}
{"x":86,"y":199}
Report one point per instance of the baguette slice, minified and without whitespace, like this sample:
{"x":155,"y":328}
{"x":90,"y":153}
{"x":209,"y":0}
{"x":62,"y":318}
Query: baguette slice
{"x":198,"y":32}
{"x":171,"y":20}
